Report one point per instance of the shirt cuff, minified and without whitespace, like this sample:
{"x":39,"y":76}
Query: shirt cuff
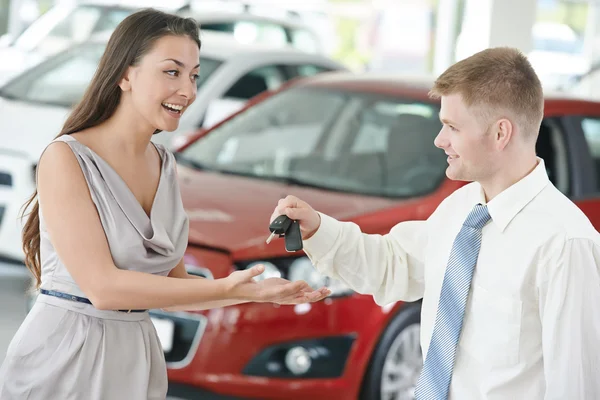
{"x":322,"y":241}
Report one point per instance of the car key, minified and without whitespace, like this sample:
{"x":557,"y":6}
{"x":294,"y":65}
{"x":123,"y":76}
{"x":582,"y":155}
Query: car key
{"x":293,"y":237}
{"x":279,"y":226}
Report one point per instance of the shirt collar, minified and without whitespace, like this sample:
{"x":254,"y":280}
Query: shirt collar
{"x":507,"y":204}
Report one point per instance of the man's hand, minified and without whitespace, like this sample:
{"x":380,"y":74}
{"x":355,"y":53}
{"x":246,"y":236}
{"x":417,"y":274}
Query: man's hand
{"x":241,"y":285}
{"x":299,"y":210}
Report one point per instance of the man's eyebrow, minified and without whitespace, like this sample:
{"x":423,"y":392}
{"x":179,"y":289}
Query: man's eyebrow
{"x":445,"y":121}
{"x":179,"y":63}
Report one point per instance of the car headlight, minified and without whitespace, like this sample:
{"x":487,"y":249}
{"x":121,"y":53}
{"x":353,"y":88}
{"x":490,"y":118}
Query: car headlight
{"x":301,"y":269}
{"x":271,"y":271}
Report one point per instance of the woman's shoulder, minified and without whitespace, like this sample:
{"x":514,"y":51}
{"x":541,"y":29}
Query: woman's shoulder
{"x":58,"y":161}
{"x":167,"y":157}
{"x":58,"y":154}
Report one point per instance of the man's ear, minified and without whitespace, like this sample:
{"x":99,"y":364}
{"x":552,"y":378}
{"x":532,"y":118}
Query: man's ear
{"x":125,"y":82}
{"x":503,"y":131}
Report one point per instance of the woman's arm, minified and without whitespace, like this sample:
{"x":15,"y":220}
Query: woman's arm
{"x":77,"y":235}
{"x":180,"y":272}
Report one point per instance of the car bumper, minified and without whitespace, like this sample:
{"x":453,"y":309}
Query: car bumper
{"x":16,"y":188}
{"x":237,"y":339}
{"x":184,"y":392}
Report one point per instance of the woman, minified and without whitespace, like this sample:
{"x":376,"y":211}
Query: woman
{"x":106,"y":238}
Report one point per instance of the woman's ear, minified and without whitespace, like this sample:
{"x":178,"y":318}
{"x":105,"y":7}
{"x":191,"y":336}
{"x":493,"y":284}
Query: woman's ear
{"x":125,"y":83}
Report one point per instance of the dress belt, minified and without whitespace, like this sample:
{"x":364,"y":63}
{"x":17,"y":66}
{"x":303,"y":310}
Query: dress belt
{"x":76,"y":298}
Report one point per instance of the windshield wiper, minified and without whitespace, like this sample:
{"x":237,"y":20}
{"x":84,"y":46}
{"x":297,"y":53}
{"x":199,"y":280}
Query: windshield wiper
{"x":291,"y":180}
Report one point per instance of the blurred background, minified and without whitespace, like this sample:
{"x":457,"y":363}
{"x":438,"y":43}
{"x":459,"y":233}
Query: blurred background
{"x":325,"y":99}
{"x":561,"y":36}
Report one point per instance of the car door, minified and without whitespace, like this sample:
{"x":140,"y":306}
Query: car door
{"x":570,"y":147}
{"x":586,"y":129}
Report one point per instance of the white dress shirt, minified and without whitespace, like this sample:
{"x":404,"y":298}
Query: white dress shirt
{"x":532,"y":321}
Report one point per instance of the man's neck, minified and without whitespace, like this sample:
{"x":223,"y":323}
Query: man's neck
{"x":507,"y":177}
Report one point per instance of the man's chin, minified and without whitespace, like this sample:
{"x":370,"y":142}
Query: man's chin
{"x":455,"y":175}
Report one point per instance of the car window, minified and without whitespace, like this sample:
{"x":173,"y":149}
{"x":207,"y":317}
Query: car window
{"x":264,"y":138}
{"x":591,"y":131}
{"x":304,"y":40}
{"x":310,"y":69}
{"x":391,"y":150}
{"x":75,"y":27}
{"x":79,"y":24}
{"x":256,"y":82}
{"x":251,"y":31}
{"x":36,"y":32}
{"x":330,"y":139}
{"x":62,"y":84}
{"x":63,"y":80}
{"x":110,"y":19}
{"x":551,"y":147}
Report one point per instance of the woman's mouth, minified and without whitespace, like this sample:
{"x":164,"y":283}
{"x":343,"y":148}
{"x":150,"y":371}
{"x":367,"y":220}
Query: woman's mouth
{"x":174,"y":110}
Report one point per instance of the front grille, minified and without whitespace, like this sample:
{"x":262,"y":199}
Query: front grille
{"x":187,"y":332}
{"x":5,"y":179}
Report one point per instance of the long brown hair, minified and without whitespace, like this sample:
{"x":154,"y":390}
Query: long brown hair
{"x":129,"y":42}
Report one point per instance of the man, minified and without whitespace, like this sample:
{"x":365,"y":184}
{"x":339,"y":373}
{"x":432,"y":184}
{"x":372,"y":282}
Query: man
{"x":508,"y":267}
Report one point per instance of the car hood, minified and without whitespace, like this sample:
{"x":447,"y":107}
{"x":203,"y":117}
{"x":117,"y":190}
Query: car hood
{"x":27,"y":128}
{"x":232,"y":213}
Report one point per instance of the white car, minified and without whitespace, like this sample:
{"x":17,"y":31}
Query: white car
{"x":35,"y":104}
{"x":67,"y":24}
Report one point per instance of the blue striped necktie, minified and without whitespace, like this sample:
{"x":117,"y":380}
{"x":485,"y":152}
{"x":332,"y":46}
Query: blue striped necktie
{"x":436,"y":375}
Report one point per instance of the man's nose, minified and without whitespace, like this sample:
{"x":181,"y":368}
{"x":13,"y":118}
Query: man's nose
{"x":441,"y":140}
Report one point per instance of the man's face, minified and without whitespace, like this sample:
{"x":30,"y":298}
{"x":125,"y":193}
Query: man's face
{"x":467,"y":141}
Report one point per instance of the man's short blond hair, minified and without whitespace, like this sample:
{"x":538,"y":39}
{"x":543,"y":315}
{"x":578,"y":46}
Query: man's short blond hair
{"x":497,"y":82}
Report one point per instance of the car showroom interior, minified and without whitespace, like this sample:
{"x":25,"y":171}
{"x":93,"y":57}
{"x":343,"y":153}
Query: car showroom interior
{"x":307,"y":176}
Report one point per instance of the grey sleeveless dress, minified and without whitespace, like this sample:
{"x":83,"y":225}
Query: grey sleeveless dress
{"x":69,"y":350}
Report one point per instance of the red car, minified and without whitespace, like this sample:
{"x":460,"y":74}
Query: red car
{"x":359,"y":148}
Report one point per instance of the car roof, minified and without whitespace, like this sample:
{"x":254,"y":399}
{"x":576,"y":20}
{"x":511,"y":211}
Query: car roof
{"x":223,"y":46}
{"x":137,"y":4}
{"x":415,"y":85}
{"x":204,"y":17}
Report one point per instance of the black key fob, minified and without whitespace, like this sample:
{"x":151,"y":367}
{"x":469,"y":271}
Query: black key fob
{"x":293,"y":237}
{"x":280,"y":225}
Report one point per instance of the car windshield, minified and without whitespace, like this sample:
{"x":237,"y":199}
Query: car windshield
{"x":62,"y":80}
{"x":62,"y":26}
{"x":337,"y":140}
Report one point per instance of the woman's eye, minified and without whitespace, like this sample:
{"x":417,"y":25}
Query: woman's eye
{"x":172,"y":72}
{"x":195,"y":77}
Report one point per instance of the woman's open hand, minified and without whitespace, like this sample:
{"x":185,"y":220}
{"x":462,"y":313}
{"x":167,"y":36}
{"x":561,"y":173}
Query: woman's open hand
{"x":241,"y":285}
